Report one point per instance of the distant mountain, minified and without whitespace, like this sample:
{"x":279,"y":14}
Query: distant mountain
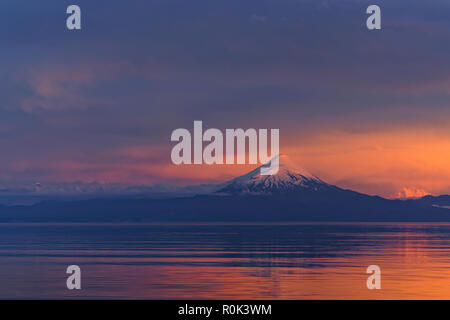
{"x":34,"y":193}
{"x":290,"y":178}
{"x":291,"y":195}
{"x":439,"y":201}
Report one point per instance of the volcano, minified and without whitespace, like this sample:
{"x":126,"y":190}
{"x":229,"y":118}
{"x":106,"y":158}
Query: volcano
{"x":290,"y":178}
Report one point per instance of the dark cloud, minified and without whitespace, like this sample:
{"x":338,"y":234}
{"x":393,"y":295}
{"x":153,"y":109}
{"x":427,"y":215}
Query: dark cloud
{"x":139,"y":69}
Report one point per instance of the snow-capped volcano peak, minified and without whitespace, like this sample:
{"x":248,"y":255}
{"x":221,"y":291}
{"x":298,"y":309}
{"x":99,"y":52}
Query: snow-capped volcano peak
{"x":289,"y":177}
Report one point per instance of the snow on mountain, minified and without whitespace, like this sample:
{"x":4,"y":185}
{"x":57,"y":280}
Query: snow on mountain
{"x":289,"y":177}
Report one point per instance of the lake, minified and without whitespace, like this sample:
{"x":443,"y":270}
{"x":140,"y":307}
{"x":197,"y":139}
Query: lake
{"x":225,"y":261}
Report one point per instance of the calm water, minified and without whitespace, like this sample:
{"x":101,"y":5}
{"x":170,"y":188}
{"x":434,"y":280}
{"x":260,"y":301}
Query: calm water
{"x":303,"y":261}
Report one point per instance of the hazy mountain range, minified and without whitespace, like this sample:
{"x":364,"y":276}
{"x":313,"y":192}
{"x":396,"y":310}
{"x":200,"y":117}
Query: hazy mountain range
{"x":293,"y":194}
{"x":32,"y":194}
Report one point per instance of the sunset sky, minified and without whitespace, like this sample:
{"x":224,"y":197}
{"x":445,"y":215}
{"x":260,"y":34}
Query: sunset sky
{"x":366,"y":110}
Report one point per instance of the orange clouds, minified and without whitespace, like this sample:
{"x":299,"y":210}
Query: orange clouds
{"x":408,"y":193}
{"x":381,"y":163}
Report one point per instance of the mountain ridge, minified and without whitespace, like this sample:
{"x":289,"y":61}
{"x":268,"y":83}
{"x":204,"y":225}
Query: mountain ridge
{"x":291,"y":195}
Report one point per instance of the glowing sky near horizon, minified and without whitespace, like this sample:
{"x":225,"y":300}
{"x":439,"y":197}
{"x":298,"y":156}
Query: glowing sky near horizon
{"x":369,"y":111}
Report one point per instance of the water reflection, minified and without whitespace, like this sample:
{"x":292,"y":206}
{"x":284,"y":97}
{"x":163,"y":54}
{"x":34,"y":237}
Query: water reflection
{"x":302,"y":261}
